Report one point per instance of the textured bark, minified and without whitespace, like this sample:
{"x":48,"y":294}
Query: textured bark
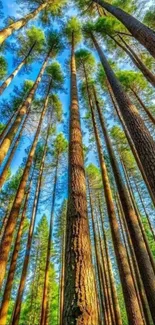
{"x":137,"y":61}
{"x":141,"y":252}
{"x":147,"y":315}
{"x":6,"y":32}
{"x":14,"y":213}
{"x":7,"y":126}
{"x":105,"y":283}
{"x":144,"y":208}
{"x":25,"y":109}
{"x":144,"y":143}
{"x":131,"y":144}
{"x":132,"y":306}
{"x":80,"y":302}
{"x":111,"y":276}
{"x":7,"y":82}
{"x":62,"y":276}
{"x":17,"y":309}
{"x":151,"y":117}
{"x":13,"y":264}
{"x":48,"y":258}
{"x":4,"y":173}
{"x":138,"y":30}
{"x":4,"y":222}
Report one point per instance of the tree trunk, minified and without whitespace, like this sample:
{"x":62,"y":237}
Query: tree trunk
{"x":112,"y":281}
{"x":48,"y":258}
{"x":25,"y":108}
{"x":4,"y":222}
{"x":14,"y":213}
{"x":7,"y":82}
{"x":8,"y":287}
{"x":17,"y":309}
{"x":138,"y":30}
{"x":140,"y":135}
{"x":136,"y":60}
{"x":80,"y":302}
{"x":7,"y":126}
{"x":144,"y":208}
{"x":132,"y":306}
{"x":4,"y":173}
{"x":143,"y":259}
{"x":6,"y":32}
{"x":62,"y":278}
{"x":105,"y":283}
{"x":151,"y":117}
{"x":131,"y":144}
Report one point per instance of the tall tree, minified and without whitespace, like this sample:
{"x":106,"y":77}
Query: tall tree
{"x":54,"y":45}
{"x":53,"y":8}
{"x":32,"y":44}
{"x":80,"y":302}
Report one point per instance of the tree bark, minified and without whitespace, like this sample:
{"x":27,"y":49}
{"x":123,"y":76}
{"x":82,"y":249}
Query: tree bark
{"x":80,"y":302}
{"x":4,"y":173}
{"x":135,"y":59}
{"x":13,"y":264}
{"x":131,"y":144}
{"x":141,"y":252}
{"x":48,"y":258}
{"x":6,"y":32}
{"x":62,"y":277}
{"x":17,"y":309}
{"x":138,"y":30}
{"x":132,"y":306}
{"x":111,"y":276}
{"x":151,"y":117}
{"x":14,"y":213}
{"x":140,"y":135}
{"x":25,"y":109}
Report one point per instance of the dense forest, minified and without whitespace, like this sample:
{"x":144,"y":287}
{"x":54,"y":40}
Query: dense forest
{"x":77,"y":162}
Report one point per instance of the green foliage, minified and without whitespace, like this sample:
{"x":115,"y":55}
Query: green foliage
{"x":54,"y":43}
{"x":73,"y":29}
{"x":149,"y":18}
{"x":85,"y":60}
{"x":3,"y":67}
{"x":60,"y":145}
{"x":55,"y":74}
{"x":132,"y":79}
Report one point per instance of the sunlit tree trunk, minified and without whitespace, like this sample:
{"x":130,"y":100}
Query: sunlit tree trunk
{"x":14,"y":213}
{"x":111,"y":276}
{"x":17,"y":309}
{"x":7,"y":82}
{"x":13,"y":264}
{"x":132,"y":221}
{"x":138,"y":30}
{"x":25,"y":108}
{"x":6,"y":32}
{"x":5,"y":170}
{"x":80,"y":301}
{"x":132,"y":306}
{"x":48,"y":258}
{"x":130,"y":143}
{"x":140,"y":135}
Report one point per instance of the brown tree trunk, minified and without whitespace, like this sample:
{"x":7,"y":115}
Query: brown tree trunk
{"x":14,"y":213}
{"x":7,"y":82}
{"x":141,"y":292}
{"x":80,"y":302}
{"x":111,"y":276}
{"x":25,"y":108}
{"x":5,"y":170}
{"x":140,"y":135}
{"x":141,"y":252}
{"x":8,"y":125}
{"x":48,"y":258}
{"x":8,"y":287}
{"x":151,"y":117}
{"x":138,"y":30}
{"x":130,"y":143}
{"x":144,"y":208}
{"x":105,"y":284}
{"x":6,"y":32}
{"x":62,"y":277}
{"x":17,"y":309}
{"x":132,"y":306}
{"x":135,"y":59}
